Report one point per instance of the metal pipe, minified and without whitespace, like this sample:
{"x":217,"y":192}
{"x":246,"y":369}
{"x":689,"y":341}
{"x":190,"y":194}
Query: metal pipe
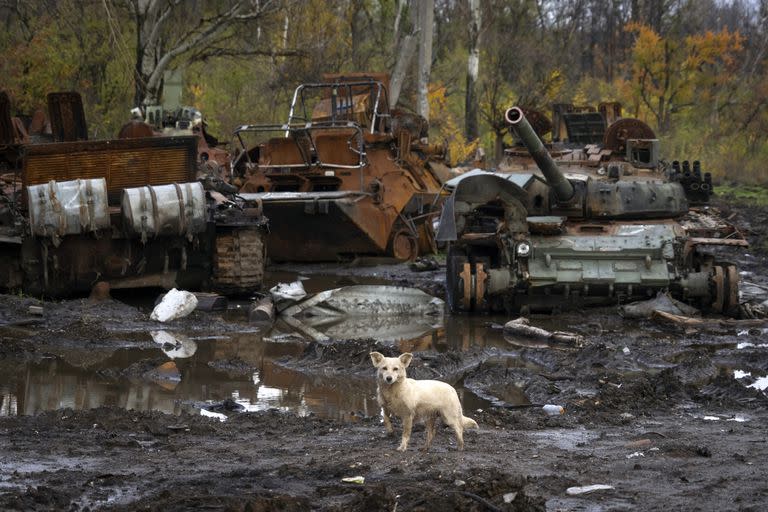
{"x":293,"y":105}
{"x":552,"y":174}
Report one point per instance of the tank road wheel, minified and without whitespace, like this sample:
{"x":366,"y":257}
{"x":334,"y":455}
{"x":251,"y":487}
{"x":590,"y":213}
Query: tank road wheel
{"x":465,"y":281}
{"x":725,"y":279}
{"x":403,"y":246}
{"x":454,"y":281}
{"x":731,"y":305}
{"x":718,"y":279}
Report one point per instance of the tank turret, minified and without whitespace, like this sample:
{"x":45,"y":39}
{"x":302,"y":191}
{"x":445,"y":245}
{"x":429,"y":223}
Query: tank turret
{"x":600,"y":224}
{"x":554,"y":176}
{"x":611,"y":196}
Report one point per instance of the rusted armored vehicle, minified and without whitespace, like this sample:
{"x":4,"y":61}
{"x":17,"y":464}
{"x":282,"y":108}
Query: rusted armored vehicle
{"x":344,"y":176}
{"x":604,"y":223}
{"x":132,"y":212}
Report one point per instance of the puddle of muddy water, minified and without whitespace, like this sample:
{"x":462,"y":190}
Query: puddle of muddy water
{"x":176,"y":371}
{"x":184,"y":371}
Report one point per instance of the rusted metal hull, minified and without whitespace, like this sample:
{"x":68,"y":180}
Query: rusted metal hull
{"x":310,"y":227}
{"x":226,"y":260}
{"x":79,"y":262}
{"x":354,"y":179}
{"x":337,"y":225}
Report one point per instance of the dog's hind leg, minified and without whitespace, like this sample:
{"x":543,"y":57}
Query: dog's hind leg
{"x":430,"y":423}
{"x":407,"y":426}
{"x":459,"y":430}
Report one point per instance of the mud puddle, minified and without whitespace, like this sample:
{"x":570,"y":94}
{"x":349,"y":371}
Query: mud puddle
{"x":244,"y":369}
{"x":221,"y":374}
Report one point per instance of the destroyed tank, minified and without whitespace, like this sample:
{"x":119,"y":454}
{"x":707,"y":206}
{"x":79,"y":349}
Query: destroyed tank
{"x":345,"y":176}
{"x":133,"y":212}
{"x":604,"y":224}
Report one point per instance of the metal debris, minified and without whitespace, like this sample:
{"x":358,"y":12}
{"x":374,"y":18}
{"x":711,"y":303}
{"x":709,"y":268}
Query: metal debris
{"x":365,"y":311}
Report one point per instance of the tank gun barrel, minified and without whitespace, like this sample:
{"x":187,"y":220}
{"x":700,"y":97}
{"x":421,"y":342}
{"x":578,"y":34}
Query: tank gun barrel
{"x":554,"y":176}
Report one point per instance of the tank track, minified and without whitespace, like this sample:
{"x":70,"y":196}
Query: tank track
{"x":239,"y":260}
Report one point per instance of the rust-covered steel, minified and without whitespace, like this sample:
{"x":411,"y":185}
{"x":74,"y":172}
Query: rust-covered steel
{"x":135,"y":212}
{"x":580,"y":222}
{"x":214,"y":160}
{"x":123,"y":163}
{"x":67,"y":116}
{"x":344,"y":176}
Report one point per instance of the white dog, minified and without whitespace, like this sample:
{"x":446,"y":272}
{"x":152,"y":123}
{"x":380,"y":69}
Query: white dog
{"x":412,"y":399}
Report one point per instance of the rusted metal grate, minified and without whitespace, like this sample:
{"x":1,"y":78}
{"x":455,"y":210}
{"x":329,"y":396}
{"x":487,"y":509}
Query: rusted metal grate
{"x":123,"y":163}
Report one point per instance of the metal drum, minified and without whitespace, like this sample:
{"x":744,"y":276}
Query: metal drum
{"x":164,"y":210}
{"x":64,"y":208}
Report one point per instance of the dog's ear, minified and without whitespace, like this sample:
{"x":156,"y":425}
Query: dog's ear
{"x":406,"y":358}
{"x":376,"y":358}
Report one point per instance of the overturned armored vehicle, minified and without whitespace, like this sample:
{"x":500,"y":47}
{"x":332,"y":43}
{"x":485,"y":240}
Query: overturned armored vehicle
{"x":345,"y":176}
{"x":131,"y":212}
{"x":615,"y":227}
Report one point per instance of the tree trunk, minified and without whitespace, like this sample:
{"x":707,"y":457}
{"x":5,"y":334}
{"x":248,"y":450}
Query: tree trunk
{"x":404,"y":58}
{"x":471,"y":129}
{"x":148,"y":51}
{"x":425,"y":16}
{"x":498,"y":149}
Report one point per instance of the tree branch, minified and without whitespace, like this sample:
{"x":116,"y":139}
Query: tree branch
{"x":212,"y":51}
{"x":191,"y":39}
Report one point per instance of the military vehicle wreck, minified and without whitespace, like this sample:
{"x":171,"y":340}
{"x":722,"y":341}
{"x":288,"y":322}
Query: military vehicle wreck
{"x":604,"y":223}
{"x":132,"y":212}
{"x":344,"y":176}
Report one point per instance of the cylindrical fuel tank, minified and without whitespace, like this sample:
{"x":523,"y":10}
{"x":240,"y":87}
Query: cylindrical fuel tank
{"x":64,"y":208}
{"x":164,"y":210}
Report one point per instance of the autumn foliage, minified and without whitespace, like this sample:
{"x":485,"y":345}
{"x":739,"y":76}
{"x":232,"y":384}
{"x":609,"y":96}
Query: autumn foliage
{"x":696,"y":71}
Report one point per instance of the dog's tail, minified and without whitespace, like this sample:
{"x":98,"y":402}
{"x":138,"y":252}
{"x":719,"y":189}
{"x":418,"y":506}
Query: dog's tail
{"x":468,"y":422}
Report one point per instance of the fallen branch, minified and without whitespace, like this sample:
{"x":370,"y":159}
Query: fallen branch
{"x":521,"y":327}
{"x":707,"y":323}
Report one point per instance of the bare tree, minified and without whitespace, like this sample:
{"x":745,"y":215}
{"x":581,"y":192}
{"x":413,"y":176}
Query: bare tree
{"x":405,"y":47}
{"x":425,"y":16}
{"x":422,"y":17}
{"x":163,"y":34}
{"x":471,"y":129}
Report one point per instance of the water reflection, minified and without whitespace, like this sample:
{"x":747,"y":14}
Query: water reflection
{"x":184,"y":372}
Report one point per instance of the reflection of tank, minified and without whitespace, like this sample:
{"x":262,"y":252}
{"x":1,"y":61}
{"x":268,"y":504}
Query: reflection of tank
{"x":344,"y":176}
{"x":128,"y":211}
{"x":594,"y":227}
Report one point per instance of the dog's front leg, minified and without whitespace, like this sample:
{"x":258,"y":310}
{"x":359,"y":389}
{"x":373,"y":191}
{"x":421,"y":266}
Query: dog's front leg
{"x":430,"y":421}
{"x":407,"y":425}
{"x":387,"y":422}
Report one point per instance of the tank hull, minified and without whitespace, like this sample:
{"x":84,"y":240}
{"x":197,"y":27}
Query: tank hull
{"x":332,"y":226}
{"x":351,"y":179}
{"x":506,"y":254}
{"x":65,"y":236}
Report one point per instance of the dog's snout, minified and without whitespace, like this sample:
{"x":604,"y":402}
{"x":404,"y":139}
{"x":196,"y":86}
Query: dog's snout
{"x":389,"y":378}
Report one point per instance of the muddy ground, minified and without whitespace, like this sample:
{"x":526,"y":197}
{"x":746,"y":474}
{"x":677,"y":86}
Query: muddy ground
{"x":651,"y":410}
